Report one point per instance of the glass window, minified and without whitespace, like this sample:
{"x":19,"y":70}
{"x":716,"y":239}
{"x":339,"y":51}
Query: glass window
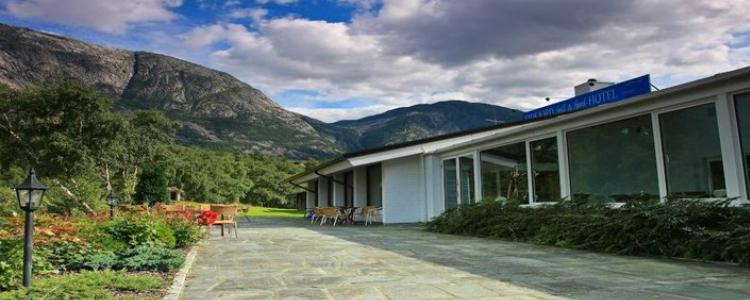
{"x":349,"y":189}
{"x":692,"y":152}
{"x":466,"y":178}
{"x":504,"y":173}
{"x":614,"y":161}
{"x":374,"y":186}
{"x":742,"y":105}
{"x":545,"y":166}
{"x":450,"y":192}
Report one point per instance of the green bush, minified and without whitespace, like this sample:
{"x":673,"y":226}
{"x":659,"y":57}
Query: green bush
{"x":87,"y":285}
{"x":146,"y":258}
{"x":681,"y":228}
{"x":104,"y":260}
{"x":186,"y":232}
{"x":139,"y":230}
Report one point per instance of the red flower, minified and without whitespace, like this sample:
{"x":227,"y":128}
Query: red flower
{"x":207,"y":217}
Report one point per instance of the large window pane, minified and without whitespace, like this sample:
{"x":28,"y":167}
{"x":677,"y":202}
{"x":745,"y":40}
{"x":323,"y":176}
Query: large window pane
{"x":614,"y":161}
{"x":467,"y":179}
{"x":742,"y":104}
{"x":692,"y":152}
{"x":504,"y":173}
{"x":449,"y":183}
{"x":349,"y":189}
{"x":544,"y":164}
{"x":374,"y":186}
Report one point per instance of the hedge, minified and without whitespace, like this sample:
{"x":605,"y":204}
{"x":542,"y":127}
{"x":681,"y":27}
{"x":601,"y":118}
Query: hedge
{"x":678,"y":228}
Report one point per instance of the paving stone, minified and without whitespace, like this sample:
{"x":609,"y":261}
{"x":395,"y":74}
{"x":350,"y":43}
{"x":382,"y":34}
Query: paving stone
{"x":291,"y":259}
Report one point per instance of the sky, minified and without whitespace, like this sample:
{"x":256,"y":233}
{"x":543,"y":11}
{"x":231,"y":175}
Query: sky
{"x":345,"y":59}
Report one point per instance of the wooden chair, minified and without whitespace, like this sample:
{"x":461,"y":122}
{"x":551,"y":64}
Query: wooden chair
{"x":328,"y":213}
{"x":227,"y":215}
{"x":315,"y":215}
{"x":369,"y":212}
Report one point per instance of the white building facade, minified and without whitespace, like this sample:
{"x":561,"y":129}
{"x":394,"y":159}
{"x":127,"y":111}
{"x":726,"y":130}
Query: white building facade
{"x":688,"y":141}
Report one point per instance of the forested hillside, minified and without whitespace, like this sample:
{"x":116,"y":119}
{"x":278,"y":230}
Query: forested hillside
{"x":81,"y":147}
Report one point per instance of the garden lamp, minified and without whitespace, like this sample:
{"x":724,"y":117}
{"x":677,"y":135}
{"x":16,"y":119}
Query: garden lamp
{"x":112,"y":202}
{"x":30,"y":194}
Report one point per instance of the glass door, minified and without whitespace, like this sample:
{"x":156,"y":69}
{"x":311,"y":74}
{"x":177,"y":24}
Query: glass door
{"x":458,"y":181}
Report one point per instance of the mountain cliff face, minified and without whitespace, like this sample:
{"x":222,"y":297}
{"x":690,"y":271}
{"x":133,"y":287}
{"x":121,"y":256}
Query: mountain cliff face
{"x":217,"y":110}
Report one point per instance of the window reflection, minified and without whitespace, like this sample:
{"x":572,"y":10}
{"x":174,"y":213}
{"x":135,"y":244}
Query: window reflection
{"x":614,"y":161}
{"x":466,"y":177}
{"x":692,"y":152}
{"x":545,"y":166}
{"x":504,"y":174}
{"x":450,"y":184}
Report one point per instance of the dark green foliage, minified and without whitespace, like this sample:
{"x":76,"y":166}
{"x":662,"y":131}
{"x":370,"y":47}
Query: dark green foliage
{"x":104,"y":260}
{"x":139,"y":231}
{"x":152,"y":185}
{"x":677,"y":228}
{"x":146,"y":258}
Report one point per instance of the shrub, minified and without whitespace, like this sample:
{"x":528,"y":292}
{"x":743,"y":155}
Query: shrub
{"x":138,"y":230}
{"x":207,"y":217}
{"x":146,"y":258}
{"x":677,"y":228}
{"x":186,"y":232}
{"x":104,"y":260}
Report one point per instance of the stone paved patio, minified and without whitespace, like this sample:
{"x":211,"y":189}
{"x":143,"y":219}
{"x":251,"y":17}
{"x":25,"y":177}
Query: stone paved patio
{"x":290,"y":259}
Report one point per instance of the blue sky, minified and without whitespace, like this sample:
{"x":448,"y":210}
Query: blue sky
{"x":343,"y":59}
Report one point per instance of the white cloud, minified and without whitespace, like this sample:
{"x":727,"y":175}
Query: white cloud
{"x":106,"y":16}
{"x":337,"y":114}
{"x":509,"y":53}
{"x":279,"y":2}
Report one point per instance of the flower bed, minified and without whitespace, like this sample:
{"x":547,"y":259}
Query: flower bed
{"x":681,"y":228}
{"x":150,"y":242}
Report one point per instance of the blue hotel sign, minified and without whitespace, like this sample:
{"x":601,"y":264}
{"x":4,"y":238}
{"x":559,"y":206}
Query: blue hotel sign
{"x":613,"y":93}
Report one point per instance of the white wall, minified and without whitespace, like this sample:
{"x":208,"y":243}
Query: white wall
{"x":403,"y":191}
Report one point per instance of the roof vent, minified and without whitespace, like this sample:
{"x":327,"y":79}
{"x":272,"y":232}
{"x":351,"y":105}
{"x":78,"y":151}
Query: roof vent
{"x":590,"y":86}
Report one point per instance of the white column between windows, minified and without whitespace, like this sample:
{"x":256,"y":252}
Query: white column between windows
{"x":661,"y":173}
{"x":529,"y":172}
{"x":731,"y":157}
{"x":562,"y":161}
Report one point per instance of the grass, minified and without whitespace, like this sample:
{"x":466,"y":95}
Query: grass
{"x":268,"y":212}
{"x":261,"y":212}
{"x":94,"y":285}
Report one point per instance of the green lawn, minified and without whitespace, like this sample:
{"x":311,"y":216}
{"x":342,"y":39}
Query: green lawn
{"x":267,"y":212}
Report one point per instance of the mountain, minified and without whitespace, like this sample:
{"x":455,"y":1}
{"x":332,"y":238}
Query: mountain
{"x":217,"y":110}
{"x":416,"y":122}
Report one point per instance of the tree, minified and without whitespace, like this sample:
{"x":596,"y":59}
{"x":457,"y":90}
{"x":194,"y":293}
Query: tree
{"x":65,"y":129}
{"x":152,"y":185}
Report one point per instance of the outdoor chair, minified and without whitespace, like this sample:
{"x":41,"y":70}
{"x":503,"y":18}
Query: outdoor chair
{"x":328,"y":213}
{"x":315,"y":215}
{"x":227,"y":215}
{"x":369,"y":213}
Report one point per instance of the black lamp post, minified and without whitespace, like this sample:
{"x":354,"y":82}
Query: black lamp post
{"x":112,"y":202}
{"x":30,"y":194}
